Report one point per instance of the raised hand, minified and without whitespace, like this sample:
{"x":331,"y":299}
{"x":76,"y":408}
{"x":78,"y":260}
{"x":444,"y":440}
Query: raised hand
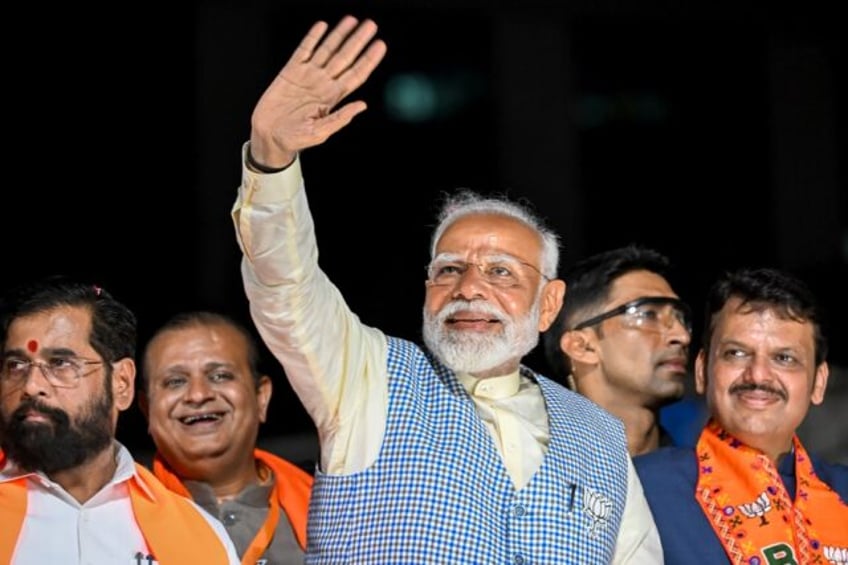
{"x":298,"y":110}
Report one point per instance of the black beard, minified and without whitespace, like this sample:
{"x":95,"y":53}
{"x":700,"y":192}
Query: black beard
{"x":60,"y":445}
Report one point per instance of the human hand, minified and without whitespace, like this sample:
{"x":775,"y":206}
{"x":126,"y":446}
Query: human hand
{"x":298,"y":109}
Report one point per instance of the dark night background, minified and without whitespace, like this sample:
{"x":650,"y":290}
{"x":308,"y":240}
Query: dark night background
{"x":715,"y":133}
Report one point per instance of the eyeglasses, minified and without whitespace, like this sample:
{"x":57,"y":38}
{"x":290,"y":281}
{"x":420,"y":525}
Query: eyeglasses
{"x":501,"y":272}
{"x":61,"y":372}
{"x":652,"y":313}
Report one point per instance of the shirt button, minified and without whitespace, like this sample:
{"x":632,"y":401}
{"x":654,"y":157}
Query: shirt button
{"x":519,"y":510}
{"x":229,"y":519}
{"x":518,"y":560}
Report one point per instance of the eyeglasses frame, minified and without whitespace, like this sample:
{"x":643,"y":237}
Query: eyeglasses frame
{"x":635,"y":303}
{"x":479,"y":267}
{"x":44,"y":368}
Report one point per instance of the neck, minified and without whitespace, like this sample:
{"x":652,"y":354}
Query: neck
{"x":85,"y":480}
{"x":774,"y":450}
{"x":641,"y":424}
{"x":499,"y":371}
{"x":641,"y":427}
{"x":229,"y":480}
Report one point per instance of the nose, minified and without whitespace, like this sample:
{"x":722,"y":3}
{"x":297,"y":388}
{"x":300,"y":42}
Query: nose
{"x":36,"y":382}
{"x":198,"y":390}
{"x":757,"y":370}
{"x":471,"y":283}
{"x":677,"y":332}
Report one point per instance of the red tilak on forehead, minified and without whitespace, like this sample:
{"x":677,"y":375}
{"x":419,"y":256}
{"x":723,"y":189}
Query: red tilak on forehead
{"x":32,"y":345}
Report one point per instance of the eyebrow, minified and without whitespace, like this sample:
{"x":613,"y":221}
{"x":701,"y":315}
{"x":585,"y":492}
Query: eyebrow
{"x":210,"y":366}
{"x":495,"y":257}
{"x":796,"y":349}
{"x":218,"y":365}
{"x":45,"y":351}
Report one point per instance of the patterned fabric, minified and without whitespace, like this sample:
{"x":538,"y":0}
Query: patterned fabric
{"x":751,"y":512}
{"x":439,"y":492}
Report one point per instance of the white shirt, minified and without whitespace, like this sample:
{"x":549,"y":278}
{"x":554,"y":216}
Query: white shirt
{"x":59,"y":530}
{"x":337,"y":365}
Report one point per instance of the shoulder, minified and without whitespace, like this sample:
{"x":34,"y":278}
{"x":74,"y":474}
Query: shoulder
{"x":284,"y":469}
{"x":574,"y":402}
{"x":834,"y":475}
{"x":668,"y":476}
{"x":582,"y":420}
{"x":665,"y":462}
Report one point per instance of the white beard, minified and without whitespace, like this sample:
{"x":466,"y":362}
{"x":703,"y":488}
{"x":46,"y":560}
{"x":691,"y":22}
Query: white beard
{"x":475,"y":352}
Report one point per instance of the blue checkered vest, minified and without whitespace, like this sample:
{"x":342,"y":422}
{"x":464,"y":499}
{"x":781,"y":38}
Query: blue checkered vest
{"x":439,"y":493}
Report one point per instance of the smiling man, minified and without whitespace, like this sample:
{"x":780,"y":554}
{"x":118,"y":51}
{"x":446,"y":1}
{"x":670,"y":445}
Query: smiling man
{"x":204,"y":399}
{"x":750,"y":492}
{"x":449,"y":452}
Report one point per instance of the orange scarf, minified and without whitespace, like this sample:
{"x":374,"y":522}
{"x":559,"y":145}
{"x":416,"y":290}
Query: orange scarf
{"x":165,"y":519}
{"x":745,"y":501}
{"x":291,"y":492}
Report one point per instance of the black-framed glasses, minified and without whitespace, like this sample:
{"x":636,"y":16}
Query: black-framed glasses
{"x":501,"y":271}
{"x":653,"y":313}
{"x":60,"y":371}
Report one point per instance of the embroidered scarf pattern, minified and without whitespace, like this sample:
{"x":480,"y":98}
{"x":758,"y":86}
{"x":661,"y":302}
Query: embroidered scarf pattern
{"x":741,"y":493}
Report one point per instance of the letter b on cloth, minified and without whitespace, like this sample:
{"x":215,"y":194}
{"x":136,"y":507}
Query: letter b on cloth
{"x":779,"y":554}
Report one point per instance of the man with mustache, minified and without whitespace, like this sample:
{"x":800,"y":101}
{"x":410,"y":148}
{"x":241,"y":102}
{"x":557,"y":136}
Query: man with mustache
{"x":69,"y":492}
{"x":749,"y":492}
{"x":622,"y":339}
{"x":450,"y":453}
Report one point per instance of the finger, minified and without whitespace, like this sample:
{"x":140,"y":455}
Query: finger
{"x":351,"y":48}
{"x":331,"y":43}
{"x":319,"y":129}
{"x":355,"y":76}
{"x":342,"y":116}
{"x":307,"y":45}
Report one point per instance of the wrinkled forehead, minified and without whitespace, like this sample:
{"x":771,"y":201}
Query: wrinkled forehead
{"x":478,"y":235}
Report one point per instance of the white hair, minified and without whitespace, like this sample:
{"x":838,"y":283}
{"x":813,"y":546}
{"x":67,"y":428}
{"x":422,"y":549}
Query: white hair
{"x":467,"y":203}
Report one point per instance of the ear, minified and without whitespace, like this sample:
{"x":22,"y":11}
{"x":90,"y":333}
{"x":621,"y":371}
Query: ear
{"x":580,"y":346}
{"x":123,"y":383}
{"x":263,"y":396}
{"x":820,"y":383}
{"x":701,"y":372}
{"x":552,"y":295}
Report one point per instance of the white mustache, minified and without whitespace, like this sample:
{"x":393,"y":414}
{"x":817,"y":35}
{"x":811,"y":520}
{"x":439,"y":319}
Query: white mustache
{"x":473,"y":307}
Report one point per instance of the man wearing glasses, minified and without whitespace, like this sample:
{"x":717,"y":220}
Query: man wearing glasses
{"x":450,"y":453}
{"x":621,"y":339}
{"x":69,"y":492}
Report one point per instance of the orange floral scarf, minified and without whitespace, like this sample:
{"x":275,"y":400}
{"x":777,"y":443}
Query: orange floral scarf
{"x":746,"y":503}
